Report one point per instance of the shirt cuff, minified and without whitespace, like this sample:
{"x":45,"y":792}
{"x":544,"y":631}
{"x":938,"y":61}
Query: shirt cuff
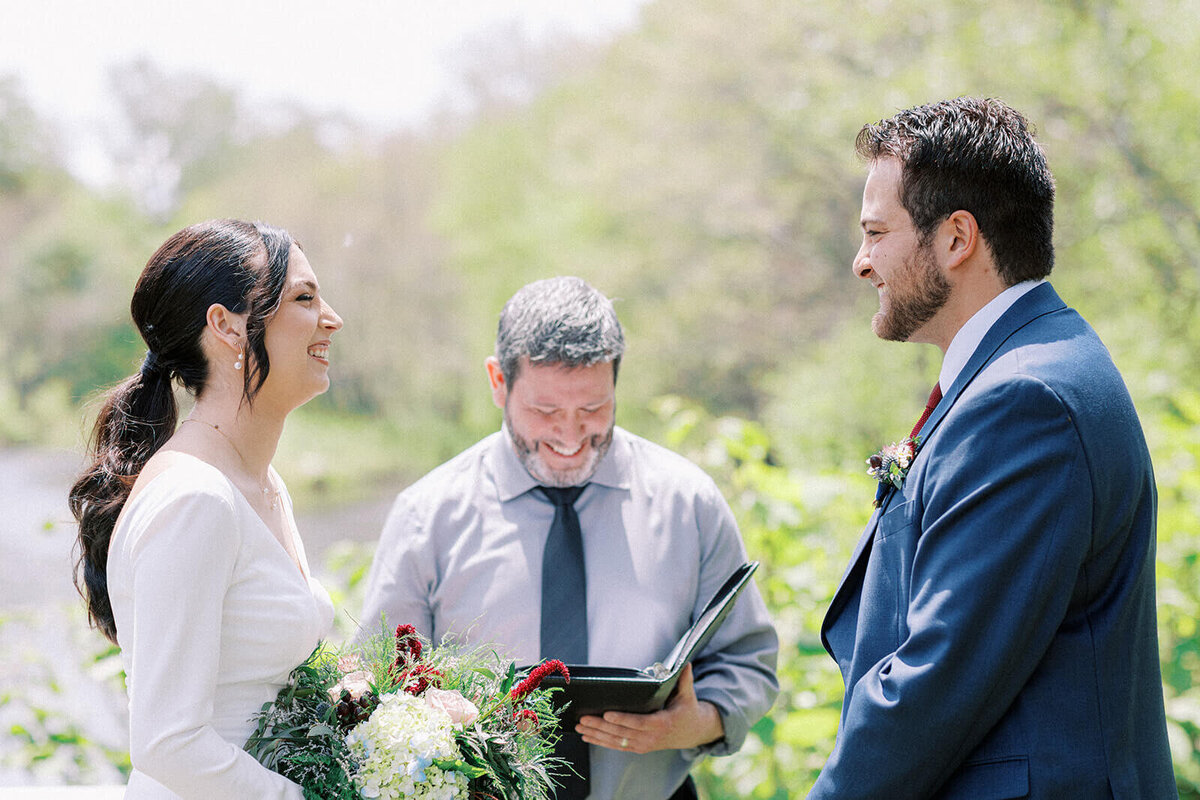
{"x":717,"y":747}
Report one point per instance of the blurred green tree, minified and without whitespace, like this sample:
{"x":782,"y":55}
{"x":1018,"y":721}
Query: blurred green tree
{"x":700,"y":170}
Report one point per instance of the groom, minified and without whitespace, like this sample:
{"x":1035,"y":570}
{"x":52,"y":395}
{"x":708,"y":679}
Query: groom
{"x":996,"y":625}
{"x":479,"y":547}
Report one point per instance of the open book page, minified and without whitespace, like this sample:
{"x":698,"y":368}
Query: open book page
{"x":706,"y":625}
{"x":596,"y":689}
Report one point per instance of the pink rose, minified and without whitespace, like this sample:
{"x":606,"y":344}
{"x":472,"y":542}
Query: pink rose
{"x":349,"y":663}
{"x":356,"y":683}
{"x":460,"y":710}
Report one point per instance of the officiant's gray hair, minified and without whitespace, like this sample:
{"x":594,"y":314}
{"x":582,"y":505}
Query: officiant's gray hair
{"x":558,"y":321}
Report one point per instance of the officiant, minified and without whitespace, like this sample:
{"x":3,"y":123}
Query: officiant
{"x":564,"y":536}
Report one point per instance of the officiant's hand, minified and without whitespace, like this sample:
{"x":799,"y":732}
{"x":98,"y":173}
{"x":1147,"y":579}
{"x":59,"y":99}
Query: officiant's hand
{"x":685,"y":722}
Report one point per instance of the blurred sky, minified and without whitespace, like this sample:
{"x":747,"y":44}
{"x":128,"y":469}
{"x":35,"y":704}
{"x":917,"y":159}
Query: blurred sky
{"x":385,"y":62}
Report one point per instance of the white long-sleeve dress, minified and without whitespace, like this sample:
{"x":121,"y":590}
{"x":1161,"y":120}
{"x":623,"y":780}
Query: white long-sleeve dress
{"x":212,"y":615}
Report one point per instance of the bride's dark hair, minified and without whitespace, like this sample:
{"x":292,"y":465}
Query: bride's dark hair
{"x":240,"y":265}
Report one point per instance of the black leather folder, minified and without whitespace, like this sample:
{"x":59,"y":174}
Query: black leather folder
{"x":595,"y":689}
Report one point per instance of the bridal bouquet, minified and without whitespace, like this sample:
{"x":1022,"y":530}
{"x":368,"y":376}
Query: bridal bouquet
{"x":395,"y":718}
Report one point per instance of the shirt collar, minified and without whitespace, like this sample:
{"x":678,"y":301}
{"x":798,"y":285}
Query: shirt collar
{"x":513,"y":480}
{"x":617,"y":465}
{"x":963,"y":345}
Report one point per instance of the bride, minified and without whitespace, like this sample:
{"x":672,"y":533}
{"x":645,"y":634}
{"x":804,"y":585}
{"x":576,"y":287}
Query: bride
{"x":189,"y":555}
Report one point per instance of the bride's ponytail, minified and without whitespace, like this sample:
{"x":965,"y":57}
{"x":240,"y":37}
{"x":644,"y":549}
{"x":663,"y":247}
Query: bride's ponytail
{"x":239,"y":265}
{"x":137,"y":416}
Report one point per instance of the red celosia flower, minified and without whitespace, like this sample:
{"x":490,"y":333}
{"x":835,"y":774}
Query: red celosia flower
{"x":408,"y":645}
{"x":420,"y":678}
{"x":525,"y":720}
{"x":535,"y":678}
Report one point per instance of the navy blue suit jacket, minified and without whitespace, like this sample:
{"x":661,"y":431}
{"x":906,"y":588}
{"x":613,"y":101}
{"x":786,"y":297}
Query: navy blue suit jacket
{"x":996,"y":626}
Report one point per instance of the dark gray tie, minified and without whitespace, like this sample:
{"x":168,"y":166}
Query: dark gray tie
{"x":564,"y":618}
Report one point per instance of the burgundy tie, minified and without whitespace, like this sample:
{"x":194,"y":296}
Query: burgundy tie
{"x":934,"y":397}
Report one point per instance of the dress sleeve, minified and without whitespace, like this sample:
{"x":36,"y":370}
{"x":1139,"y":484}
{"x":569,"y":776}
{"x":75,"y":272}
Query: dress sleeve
{"x":181,"y":564}
{"x":736,"y":670}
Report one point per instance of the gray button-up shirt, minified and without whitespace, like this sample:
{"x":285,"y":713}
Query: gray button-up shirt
{"x":461,"y":553}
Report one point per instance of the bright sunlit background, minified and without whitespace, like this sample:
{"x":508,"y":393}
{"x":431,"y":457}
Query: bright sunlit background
{"x":386,"y":63}
{"x":691,"y":158}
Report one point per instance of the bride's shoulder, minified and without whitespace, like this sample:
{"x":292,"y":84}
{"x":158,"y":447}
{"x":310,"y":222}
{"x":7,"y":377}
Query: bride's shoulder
{"x":169,"y":470}
{"x":179,"y":503}
{"x":173,"y":479}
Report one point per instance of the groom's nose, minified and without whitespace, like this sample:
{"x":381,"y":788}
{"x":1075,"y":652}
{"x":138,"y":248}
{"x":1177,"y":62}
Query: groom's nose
{"x":861,"y":265}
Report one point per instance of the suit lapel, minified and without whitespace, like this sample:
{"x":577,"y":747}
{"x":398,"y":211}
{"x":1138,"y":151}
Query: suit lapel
{"x":852,"y":578}
{"x":1037,"y":302}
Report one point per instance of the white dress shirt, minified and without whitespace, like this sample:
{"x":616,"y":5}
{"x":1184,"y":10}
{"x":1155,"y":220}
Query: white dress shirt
{"x":212,"y":615}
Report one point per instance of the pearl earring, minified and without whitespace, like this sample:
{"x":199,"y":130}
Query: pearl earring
{"x":238,"y":364}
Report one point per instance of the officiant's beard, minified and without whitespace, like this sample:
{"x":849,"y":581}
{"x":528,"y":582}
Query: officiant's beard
{"x":535,"y":465}
{"x":914,"y":295}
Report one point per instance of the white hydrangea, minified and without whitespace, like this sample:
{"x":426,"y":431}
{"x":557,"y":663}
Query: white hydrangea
{"x":395,"y":750}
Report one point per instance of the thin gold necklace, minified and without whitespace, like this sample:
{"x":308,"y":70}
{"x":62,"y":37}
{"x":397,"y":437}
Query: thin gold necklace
{"x":269,"y":493}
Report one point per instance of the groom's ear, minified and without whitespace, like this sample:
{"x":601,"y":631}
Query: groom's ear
{"x":958,"y":238}
{"x":496,"y":380}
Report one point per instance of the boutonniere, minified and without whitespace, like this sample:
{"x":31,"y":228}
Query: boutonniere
{"x":890,"y":465}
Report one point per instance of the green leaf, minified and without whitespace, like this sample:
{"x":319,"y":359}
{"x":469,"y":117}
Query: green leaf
{"x":458,"y":765}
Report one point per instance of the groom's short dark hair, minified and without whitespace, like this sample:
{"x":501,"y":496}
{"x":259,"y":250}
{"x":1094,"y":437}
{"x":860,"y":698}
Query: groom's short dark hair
{"x":558,"y":321}
{"x":977,"y":155}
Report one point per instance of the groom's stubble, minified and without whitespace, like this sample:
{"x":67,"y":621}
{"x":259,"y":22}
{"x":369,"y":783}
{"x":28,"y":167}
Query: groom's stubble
{"x":923,"y":291}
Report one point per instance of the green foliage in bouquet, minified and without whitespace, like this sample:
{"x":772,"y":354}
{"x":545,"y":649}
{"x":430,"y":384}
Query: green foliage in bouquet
{"x":297,"y":736}
{"x":507,"y":754}
{"x":393,"y":717}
